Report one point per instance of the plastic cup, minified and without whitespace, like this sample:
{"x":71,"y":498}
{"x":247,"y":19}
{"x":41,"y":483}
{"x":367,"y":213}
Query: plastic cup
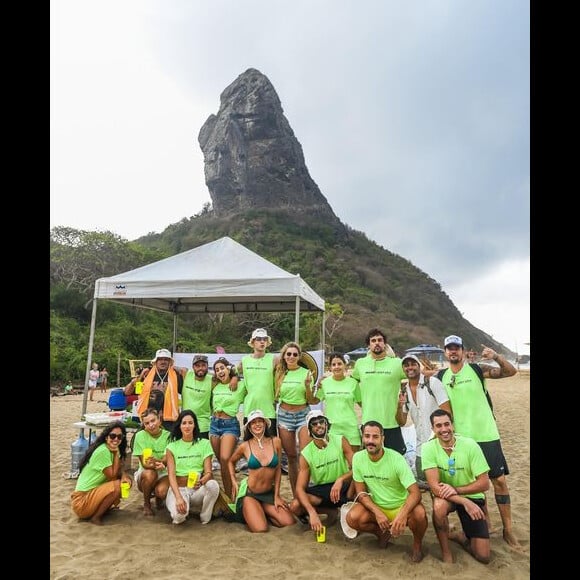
{"x":321,"y":535}
{"x":125,"y":487}
{"x":147,"y":453}
{"x":191,"y":478}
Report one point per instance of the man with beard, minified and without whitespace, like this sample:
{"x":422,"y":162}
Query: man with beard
{"x":379,"y":377}
{"x":324,"y":480}
{"x":162,"y":385}
{"x":388,"y":498}
{"x":196,"y":394}
{"x":473,"y":416}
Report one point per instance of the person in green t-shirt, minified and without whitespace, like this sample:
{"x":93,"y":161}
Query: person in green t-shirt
{"x":458,"y":476}
{"x":324,"y":474}
{"x":379,"y":376}
{"x":388,"y":498}
{"x":151,"y":477}
{"x":187,"y":453}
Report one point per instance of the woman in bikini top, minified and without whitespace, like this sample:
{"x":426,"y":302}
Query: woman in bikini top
{"x":262,"y":502}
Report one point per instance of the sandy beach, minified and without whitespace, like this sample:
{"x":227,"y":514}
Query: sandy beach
{"x":131,"y":545}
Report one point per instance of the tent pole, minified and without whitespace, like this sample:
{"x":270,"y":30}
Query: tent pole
{"x":174,"y":332}
{"x":297,"y":321}
{"x":89,"y":356}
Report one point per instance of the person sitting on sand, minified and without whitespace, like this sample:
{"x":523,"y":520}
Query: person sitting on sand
{"x":187,"y":452}
{"x":98,"y":487}
{"x":389,"y":498}
{"x":324,"y":473}
{"x":258,"y":499}
{"x":458,"y":476}
{"x":151,"y":477}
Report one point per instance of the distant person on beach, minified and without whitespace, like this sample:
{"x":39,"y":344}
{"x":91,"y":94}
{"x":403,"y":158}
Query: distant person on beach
{"x":388,"y":498}
{"x":103,"y":378}
{"x":93,"y":378}
{"x":295,"y":392}
{"x":473,"y":417}
{"x":419,"y":397}
{"x":379,"y":376}
{"x":151,"y":477}
{"x":258,"y":501}
{"x":340,"y":393}
{"x":161,"y":388}
{"x":187,"y":452}
{"x":224,"y":428}
{"x":257,"y":378}
{"x":98,"y":487}
{"x":457,"y":473}
{"x":324,"y":474}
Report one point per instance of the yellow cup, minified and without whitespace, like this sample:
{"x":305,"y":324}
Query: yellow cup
{"x":191,"y":478}
{"x":125,"y":487}
{"x":147,"y":453}
{"x":321,"y":535}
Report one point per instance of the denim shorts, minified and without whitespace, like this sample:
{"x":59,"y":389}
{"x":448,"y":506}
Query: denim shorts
{"x":292,"y":421}
{"x":219,"y":427}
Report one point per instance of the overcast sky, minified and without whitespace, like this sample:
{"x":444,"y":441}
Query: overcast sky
{"x":413,"y":117}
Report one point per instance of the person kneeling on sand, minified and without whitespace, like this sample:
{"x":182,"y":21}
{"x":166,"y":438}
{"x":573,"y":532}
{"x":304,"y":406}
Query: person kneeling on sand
{"x":389,"y":498}
{"x":458,"y":476}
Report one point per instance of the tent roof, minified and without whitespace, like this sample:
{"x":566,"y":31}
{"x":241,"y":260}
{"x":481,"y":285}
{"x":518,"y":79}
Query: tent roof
{"x":221,"y":276}
{"x":424,"y":348}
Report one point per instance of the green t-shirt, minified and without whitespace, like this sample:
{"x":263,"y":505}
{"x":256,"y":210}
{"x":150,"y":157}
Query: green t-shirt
{"x":469,"y":462}
{"x":387,"y":479}
{"x":92,"y":474}
{"x":326,"y":464}
{"x":189,"y":456}
{"x":225,"y":400}
{"x":293,"y":388}
{"x":258,"y":385}
{"x":143,"y":440}
{"x":339,"y":399}
{"x":472,"y":416}
{"x":196,"y":396}
{"x":380,"y":383}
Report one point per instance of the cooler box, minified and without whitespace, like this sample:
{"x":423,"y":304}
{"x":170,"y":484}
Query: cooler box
{"x":117,"y":400}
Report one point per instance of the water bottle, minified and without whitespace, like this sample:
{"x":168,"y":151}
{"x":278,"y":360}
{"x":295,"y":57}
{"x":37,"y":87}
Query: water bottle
{"x":78,"y":449}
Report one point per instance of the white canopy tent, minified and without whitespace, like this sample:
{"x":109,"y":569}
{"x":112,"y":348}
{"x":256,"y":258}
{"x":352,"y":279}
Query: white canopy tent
{"x":221,"y":276}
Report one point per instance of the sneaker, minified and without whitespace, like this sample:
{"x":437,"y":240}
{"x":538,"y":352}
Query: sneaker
{"x":242,"y":465}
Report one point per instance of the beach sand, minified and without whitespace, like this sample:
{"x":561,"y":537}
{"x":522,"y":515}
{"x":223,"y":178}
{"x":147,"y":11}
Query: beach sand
{"x":131,"y":545}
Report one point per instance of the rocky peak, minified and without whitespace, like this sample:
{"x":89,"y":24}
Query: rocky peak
{"x":252,"y":158}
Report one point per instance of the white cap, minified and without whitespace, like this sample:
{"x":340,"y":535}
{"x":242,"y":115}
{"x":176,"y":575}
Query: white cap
{"x":162,"y":353}
{"x":313,"y":414}
{"x":412,"y":357}
{"x":257,"y":414}
{"x":452,"y":339}
{"x":260,"y":333}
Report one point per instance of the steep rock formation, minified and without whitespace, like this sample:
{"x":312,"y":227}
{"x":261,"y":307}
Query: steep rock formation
{"x":252,"y":158}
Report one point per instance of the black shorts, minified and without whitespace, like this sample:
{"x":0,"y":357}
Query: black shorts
{"x":393,"y":439}
{"x":323,"y":491}
{"x":495,"y":459}
{"x":472,"y":528}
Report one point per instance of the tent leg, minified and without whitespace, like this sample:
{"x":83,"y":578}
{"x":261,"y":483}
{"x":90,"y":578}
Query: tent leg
{"x":297,"y":321}
{"x":89,"y":357}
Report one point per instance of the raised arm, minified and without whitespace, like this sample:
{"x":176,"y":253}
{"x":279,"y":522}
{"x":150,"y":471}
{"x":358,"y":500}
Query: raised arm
{"x":506,"y":368}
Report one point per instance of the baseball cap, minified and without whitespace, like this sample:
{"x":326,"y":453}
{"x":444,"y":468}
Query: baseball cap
{"x":162,"y":353}
{"x":257,"y":414}
{"x":452,"y":339}
{"x":199,"y":358}
{"x":412,"y":357}
{"x":260,"y":333}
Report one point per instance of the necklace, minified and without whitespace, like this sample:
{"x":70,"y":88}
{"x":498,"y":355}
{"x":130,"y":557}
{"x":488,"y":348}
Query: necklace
{"x":161,"y":378}
{"x":450,"y":448}
{"x":259,"y":441}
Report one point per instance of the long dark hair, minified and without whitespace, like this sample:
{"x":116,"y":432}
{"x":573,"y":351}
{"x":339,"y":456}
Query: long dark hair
{"x":101,"y":439}
{"x":176,"y":429}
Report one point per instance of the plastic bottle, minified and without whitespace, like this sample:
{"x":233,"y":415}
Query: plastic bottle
{"x":78,"y":448}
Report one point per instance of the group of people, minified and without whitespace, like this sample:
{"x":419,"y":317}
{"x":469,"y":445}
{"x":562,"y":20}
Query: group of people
{"x":97,"y":379}
{"x":190,"y":415}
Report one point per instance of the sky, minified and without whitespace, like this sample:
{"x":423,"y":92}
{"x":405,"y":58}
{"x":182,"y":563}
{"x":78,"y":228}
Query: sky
{"x":414,"y":120}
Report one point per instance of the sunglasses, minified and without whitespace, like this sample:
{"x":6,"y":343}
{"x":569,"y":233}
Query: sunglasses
{"x":451,"y":464}
{"x":316,"y":422}
{"x":292,"y":354}
{"x":452,"y":381}
{"x":114,"y":436}
{"x":261,"y":338}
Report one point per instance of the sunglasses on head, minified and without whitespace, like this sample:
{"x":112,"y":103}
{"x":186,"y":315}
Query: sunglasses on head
{"x":292,"y":354}
{"x":114,"y":436}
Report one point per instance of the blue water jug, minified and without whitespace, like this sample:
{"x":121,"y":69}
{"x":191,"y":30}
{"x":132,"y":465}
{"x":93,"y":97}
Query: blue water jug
{"x":117,"y":400}
{"x":78,"y":449}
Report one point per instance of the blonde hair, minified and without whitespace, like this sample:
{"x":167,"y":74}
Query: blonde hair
{"x":281,"y":367}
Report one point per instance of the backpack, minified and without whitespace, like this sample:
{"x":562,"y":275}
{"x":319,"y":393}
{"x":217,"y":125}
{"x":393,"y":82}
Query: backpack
{"x":479,"y":373}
